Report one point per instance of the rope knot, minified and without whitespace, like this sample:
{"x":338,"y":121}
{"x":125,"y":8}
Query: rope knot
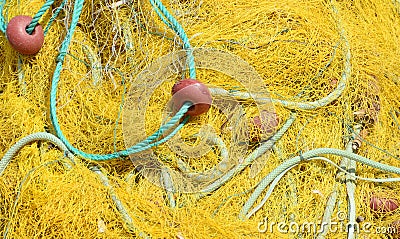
{"x":301,"y":156}
{"x":61,"y":56}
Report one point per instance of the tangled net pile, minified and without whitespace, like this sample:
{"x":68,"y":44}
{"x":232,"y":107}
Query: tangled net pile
{"x":328,"y":72}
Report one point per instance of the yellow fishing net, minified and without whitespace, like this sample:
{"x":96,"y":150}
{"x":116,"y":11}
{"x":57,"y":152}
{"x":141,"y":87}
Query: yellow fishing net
{"x":115,"y":90}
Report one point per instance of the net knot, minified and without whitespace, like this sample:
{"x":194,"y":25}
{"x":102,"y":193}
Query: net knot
{"x":61,"y":56}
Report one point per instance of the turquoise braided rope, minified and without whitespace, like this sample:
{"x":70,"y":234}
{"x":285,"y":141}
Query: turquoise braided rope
{"x":305,"y":156}
{"x":3,"y":25}
{"x":161,"y":16}
{"x":146,"y":144}
{"x":35,"y":19}
{"x":172,"y":23}
{"x":65,"y":44}
{"x":141,"y":146}
{"x":38,"y":15}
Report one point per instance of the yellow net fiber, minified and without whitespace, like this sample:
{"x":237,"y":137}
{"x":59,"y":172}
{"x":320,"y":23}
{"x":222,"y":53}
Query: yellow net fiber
{"x":296,"y":49}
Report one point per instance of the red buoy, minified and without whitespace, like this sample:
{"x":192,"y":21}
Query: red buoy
{"x":190,"y":90}
{"x":20,"y":39}
{"x":383,"y":205}
{"x":264,"y":124}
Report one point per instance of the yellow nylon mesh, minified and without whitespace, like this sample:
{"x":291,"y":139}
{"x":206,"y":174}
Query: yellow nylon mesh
{"x":287,"y":43}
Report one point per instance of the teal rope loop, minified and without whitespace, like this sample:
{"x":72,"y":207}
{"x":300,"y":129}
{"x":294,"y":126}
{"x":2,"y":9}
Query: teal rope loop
{"x":146,"y":144}
{"x":38,"y":15}
{"x":141,"y":146}
{"x":35,"y":19}
{"x":172,"y":23}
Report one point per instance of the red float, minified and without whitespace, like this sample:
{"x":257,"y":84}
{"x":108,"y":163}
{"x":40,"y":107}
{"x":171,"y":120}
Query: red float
{"x":190,"y":90}
{"x":264,"y":124}
{"x":383,"y":205}
{"x":20,"y":39}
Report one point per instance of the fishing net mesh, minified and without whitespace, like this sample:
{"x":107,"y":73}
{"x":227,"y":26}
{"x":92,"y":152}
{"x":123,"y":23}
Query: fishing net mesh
{"x":115,"y":88}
